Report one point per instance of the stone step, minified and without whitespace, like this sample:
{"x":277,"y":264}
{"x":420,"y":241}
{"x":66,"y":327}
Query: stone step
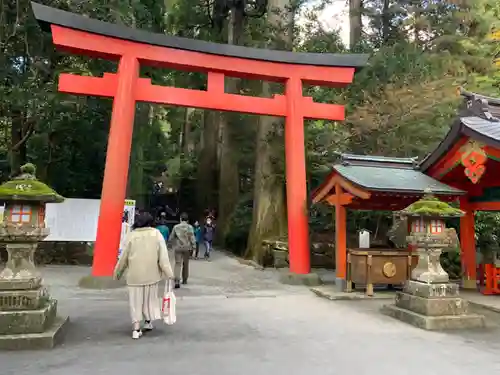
{"x":45,"y":340}
{"x":431,"y":306}
{"x":447,"y":322}
{"x":28,"y":321}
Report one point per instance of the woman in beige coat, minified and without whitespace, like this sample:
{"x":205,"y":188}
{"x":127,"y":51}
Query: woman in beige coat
{"x":145,"y":258}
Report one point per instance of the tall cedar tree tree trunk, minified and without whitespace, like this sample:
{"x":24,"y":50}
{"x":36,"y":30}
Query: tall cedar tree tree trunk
{"x":355,"y":22}
{"x":386,"y":21}
{"x":22,"y":126}
{"x":269,"y":207}
{"x":187,"y":139}
{"x":19,"y":136}
{"x":207,"y":166}
{"x":229,"y":181}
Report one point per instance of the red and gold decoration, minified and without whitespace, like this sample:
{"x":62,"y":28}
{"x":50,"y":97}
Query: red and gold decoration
{"x":474,"y":159}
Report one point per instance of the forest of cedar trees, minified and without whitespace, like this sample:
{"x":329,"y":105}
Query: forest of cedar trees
{"x":401,"y":104}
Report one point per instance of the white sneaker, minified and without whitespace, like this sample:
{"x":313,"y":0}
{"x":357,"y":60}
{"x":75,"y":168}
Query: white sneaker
{"x":136,"y":334}
{"x":148,"y":326}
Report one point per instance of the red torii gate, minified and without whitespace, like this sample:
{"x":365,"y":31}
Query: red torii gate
{"x":131,"y":47}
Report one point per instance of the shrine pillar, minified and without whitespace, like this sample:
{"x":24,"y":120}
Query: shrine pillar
{"x":340,"y":239}
{"x":116,"y":169}
{"x":468,"y":245}
{"x":296,"y":188}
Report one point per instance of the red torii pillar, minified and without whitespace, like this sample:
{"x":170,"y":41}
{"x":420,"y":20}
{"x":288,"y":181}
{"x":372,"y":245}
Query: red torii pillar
{"x":126,"y":88}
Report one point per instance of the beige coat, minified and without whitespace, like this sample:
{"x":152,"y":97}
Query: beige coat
{"x":144,"y":257}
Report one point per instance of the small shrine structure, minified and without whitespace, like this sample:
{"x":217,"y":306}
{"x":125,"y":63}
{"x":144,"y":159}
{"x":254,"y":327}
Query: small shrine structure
{"x":374,"y":183}
{"x":468,"y":158}
{"x":464,"y":167}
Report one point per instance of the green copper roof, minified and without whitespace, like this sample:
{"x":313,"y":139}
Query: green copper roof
{"x":383,"y":160}
{"x":393,"y":179}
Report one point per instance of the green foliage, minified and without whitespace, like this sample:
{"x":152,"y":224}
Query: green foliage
{"x":487,"y":228}
{"x":451,"y":263}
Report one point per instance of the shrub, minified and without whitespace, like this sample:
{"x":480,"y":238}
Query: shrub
{"x":450,"y":260}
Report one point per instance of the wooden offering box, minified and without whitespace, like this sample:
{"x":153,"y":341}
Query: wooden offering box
{"x":378,"y":266}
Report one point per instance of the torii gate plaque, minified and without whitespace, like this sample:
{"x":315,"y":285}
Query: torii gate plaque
{"x":131,"y":48}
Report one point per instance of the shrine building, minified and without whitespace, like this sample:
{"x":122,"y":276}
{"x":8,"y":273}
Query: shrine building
{"x":461,"y":168}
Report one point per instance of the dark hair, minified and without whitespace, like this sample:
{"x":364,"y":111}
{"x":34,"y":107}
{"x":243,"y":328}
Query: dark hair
{"x":144,"y":220}
{"x":184,"y":216}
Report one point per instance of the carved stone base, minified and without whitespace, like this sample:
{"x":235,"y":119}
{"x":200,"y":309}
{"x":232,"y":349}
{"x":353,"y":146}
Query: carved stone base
{"x":46,"y":340}
{"x":28,"y":321}
{"x":433,"y":307}
{"x":20,"y":264}
{"x":20,"y":284}
{"x":12,"y":300}
{"x":431,"y":290}
{"x":28,"y":316}
{"x":448,"y":322}
{"x":429,"y":269}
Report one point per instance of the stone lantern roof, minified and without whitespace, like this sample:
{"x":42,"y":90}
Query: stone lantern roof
{"x":26,"y":187}
{"x":432,"y":207}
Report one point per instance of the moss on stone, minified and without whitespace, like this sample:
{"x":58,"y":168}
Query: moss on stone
{"x":26,"y":187}
{"x":28,"y":168}
{"x":31,"y":190}
{"x":429,"y":205}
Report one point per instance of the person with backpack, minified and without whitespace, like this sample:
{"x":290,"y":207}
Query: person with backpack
{"x":183,"y":243}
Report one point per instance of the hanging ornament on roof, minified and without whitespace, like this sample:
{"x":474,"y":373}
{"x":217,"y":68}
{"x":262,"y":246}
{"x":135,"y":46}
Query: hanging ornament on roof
{"x":474,"y":159}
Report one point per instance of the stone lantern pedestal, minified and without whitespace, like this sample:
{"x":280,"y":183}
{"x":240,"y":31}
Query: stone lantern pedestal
{"x":28,"y":315}
{"x":429,"y":300}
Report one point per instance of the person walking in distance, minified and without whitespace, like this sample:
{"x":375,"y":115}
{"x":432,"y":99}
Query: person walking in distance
{"x":208,"y":235}
{"x":183,"y":243}
{"x":163,"y":227}
{"x":145,"y":258}
{"x":199,"y":238}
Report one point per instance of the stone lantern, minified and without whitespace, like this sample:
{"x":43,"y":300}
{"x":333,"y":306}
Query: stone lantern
{"x":27,"y":313}
{"x":429,"y":300}
{"x":429,"y":237}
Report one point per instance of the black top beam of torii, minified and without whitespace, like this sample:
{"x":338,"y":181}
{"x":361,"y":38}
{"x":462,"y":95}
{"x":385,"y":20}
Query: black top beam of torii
{"x":47,"y":16}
